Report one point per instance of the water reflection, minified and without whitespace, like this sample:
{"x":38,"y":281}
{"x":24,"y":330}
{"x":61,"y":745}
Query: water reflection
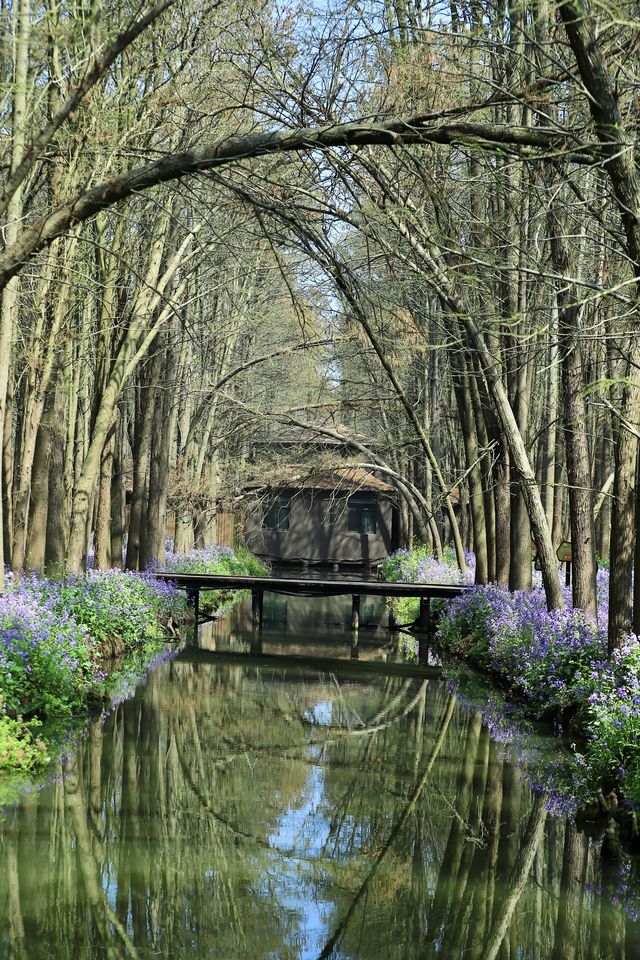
{"x":305,"y":626}
{"x":242,"y":810}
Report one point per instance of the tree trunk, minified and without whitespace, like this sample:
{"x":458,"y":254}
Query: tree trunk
{"x":141,"y":453}
{"x":549,"y":455}
{"x":623,"y":173}
{"x":11,"y":230}
{"x":57,"y":514}
{"x":6,"y":471}
{"x":509,"y":430}
{"x":558,"y":529}
{"x":576,"y":439}
{"x":486,"y":479}
{"x":117,"y":498}
{"x":152,"y":543}
{"x":583,"y":534}
{"x":39,"y":501}
{"x":472,"y":456}
{"x":520,"y":574}
{"x":103,"y":511}
{"x":134,"y":346}
{"x":183,"y":541}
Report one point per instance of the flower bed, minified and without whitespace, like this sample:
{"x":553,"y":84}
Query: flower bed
{"x":216,"y":560}
{"x":555,"y":662}
{"x":419,"y":566}
{"x":55,"y":635}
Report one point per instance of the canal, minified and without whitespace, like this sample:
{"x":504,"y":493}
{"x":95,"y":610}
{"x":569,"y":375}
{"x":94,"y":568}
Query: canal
{"x":240,"y":806}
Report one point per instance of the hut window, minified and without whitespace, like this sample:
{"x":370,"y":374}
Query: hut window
{"x":276,"y":514}
{"x":362,"y":515}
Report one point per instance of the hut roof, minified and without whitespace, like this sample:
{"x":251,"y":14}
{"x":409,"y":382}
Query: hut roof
{"x":347,"y":479}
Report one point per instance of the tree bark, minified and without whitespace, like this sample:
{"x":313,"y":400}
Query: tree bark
{"x":134,"y":346}
{"x":117,"y":498}
{"x":141,"y":453}
{"x":462,"y":392}
{"x":102,"y":531}
{"x":39,"y":501}
{"x":9,"y":297}
{"x":57,"y":530}
{"x":576,"y":439}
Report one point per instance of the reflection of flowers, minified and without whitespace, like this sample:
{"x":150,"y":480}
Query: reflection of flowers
{"x":123,"y":683}
{"x":621,"y":888}
{"x":547,"y":765}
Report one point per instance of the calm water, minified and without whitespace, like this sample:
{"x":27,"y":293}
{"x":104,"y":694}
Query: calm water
{"x":247,"y":808}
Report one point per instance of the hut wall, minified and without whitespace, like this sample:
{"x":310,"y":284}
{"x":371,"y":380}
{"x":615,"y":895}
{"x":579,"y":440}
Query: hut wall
{"x":318,"y":530}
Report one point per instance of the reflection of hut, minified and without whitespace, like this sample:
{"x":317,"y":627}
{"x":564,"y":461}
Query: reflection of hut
{"x":328,"y":515}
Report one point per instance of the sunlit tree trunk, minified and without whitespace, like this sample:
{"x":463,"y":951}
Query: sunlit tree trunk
{"x":583,"y":536}
{"x":9,"y":295}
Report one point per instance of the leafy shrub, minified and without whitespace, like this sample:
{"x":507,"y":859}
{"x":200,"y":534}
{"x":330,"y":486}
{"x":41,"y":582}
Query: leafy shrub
{"x":216,"y":560}
{"x":541,"y":655}
{"x":611,"y":698}
{"x":52,"y":633}
{"x":418,"y":565}
{"x":466,"y":623}
{"x":223,"y":561}
{"x":45,"y":655}
{"x":19,"y":747}
{"x":555,"y":660}
{"x":120,"y":604}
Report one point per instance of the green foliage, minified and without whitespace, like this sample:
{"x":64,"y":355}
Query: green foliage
{"x":115,"y":604}
{"x":223,"y":561}
{"x":220,"y":560}
{"x":53,"y":634}
{"x":554,"y":661}
{"x":45,"y":655}
{"x":418,"y":565}
{"x":20,"y":748}
{"x":611,"y":704}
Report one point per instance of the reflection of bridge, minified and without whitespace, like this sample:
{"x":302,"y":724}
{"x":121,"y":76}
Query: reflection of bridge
{"x":193,"y":583}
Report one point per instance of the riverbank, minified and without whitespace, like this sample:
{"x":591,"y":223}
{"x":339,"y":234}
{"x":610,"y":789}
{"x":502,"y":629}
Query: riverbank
{"x":553,"y":662}
{"x":59,"y":638}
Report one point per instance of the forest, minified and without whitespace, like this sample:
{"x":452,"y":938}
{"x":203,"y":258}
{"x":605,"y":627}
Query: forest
{"x":416,"y":221}
{"x":407,"y":229}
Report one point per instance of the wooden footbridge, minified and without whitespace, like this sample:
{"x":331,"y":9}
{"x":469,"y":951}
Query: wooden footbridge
{"x":193,"y":583}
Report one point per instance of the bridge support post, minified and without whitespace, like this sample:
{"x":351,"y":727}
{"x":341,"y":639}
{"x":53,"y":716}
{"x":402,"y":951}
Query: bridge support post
{"x":257,"y":604}
{"x":423,"y":648}
{"x":424,"y":620}
{"x":256,"y":641}
{"x":355,"y":611}
{"x":393,"y":620}
{"x":354,"y":645}
{"x":193,"y":597}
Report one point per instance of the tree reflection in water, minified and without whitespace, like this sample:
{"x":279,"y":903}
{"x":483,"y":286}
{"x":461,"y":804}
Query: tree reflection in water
{"x":235,"y":810}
